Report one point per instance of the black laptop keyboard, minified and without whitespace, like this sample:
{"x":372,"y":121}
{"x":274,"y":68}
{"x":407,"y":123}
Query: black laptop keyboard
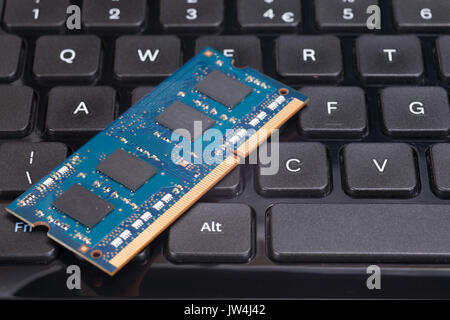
{"x":364,"y":170}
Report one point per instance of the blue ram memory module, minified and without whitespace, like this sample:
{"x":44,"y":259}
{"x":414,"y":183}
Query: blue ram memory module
{"x":119,"y":191}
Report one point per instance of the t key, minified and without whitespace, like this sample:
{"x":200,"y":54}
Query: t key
{"x":269,"y":15}
{"x":146,"y":57}
{"x":24,"y":163}
{"x":416,"y":111}
{"x":380,"y":170}
{"x":334,"y":112}
{"x":80,"y":110}
{"x":35,"y":15}
{"x":114,"y":15}
{"x":69,"y":58}
{"x":389,"y":58}
{"x":300,"y":169}
{"x":422,"y":15}
{"x":186,"y":15}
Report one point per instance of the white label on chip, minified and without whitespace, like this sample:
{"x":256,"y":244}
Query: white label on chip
{"x":116,"y":242}
{"x":280,"y":99}
{"x":125,"y":235}
{"x":273,"y":106}
{"x":137,"y":224}
{"x":158,"y":206}
{"x":146,"y":216}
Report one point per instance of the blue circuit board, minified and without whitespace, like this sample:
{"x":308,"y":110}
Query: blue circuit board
{"x":139,"y":216}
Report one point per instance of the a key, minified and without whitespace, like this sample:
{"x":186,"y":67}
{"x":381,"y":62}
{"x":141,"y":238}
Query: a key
{"x":228,"y":186}
{"x":16,"y":109}
{"x":270,"y":15}
{"x":115,"y":16}
{"x":443,"y":53}
{"x":415,"y":112}
{"x":309,"y":58}
{"x":10,"y":56}
{"x":25,"y":163}
{"x":146,"y":57}
{"x":212,"y":233}
{"x":334,"y":112}
{"x":421,"y":15}
{"x":79,"y":110}
{"x":389,"y":58}
{"x":245,"y":50}
{"x":371,"y":233}
{"x":380,"y":170}
{"x":35,"y":15}
{"x":67,"y":58}
{"x":343,"y":15}
{"x":139,"y":93}
{"x":19,"y":242}
{"x":300,"y":170}
{"x":440,"y":169}
{"x":189,"y":15}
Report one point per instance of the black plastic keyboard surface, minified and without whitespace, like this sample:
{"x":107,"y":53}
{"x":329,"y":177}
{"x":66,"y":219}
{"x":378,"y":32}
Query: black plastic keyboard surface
{"x":374,"y":138}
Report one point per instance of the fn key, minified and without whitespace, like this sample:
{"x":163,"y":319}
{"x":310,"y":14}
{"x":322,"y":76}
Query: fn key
{"x":212,"y":232}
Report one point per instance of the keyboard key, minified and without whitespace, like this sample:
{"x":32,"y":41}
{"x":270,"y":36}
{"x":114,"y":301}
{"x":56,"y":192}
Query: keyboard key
{"x":139,"y":93}
{"x":67,"y":58}
{"x":309,"y":58}
{"x":301,"y":170}
{"x":416,"y":112}
{"x":334,"y":112}
{"x":380,"y":170}
{"x":212,"y":233}
{"x":443,"y":53}
{"x":386,"y":233}
{"x":389,"y":58}
{"x":228,"y":186}
{"x":440,"y":169}
{"x":245,"y":50}
{"x":35,"y":15}
{"x":421,"y":15}
{"x":114,"y":16}
{"x":276,"y":15}
{"x":146,"y":57}
{"x":16,"y":107}
{"x":343,"y":15}
{"x":19,"y":242}
{"x":10,"y":56}
{"x":189,"y":15}
{"x":80,"y":110}
{"x":25,"y":163}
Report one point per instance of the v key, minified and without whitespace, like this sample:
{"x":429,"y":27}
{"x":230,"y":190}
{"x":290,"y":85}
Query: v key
{"x":382,"y":167}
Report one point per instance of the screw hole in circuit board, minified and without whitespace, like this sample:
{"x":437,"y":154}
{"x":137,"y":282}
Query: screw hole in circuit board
{"x":283,"y":91}
{"x":96,"y":254}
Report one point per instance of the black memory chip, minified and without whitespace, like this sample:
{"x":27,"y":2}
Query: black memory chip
{"x":82,"y":205}
{"x":225,"y":90}
{"x":181,"y":116}
{"x":126,"y":169}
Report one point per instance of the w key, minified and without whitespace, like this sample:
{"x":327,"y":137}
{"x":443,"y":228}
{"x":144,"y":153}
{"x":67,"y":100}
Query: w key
{"x":22,"y":164}
{"x":386,"y":170}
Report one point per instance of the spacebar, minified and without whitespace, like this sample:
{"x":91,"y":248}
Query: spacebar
{"x":388,"y":233}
